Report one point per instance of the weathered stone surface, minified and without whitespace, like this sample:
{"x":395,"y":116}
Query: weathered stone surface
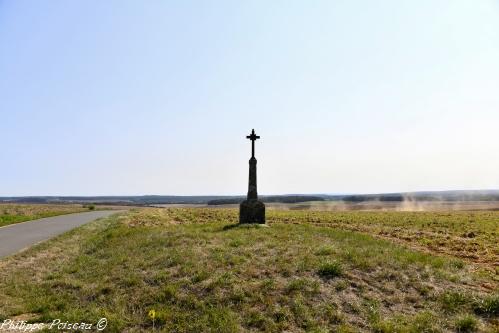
{"x":252,"y":192}
{"x":252,"y":211}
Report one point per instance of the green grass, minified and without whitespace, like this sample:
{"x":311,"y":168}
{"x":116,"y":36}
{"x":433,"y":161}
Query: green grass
{"x":329,"y":270}
{"x":201,"y":274}
{"x":466,"y":323}
{"x":15,"y":213}
{"x":488,"y":306}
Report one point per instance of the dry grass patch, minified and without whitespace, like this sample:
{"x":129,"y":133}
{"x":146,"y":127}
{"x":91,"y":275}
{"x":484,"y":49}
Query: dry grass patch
{"x":468,"y":235}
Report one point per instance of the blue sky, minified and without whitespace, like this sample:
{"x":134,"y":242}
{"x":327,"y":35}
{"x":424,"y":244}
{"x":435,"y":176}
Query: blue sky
{"x":156,"y":97}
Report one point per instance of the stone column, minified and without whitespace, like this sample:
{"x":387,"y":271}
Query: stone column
{"x":252,"y":192}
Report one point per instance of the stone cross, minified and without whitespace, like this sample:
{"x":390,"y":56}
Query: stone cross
{"x":253,"y":137}
{"x":252,"y":210}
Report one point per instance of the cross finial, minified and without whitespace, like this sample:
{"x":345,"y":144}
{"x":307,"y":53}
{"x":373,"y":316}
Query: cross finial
{"x":253,"y":137}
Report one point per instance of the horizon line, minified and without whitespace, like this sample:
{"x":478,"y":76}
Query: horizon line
{"x":242,"y":195}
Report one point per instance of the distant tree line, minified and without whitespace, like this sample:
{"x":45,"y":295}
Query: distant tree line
{"x":145,"y":200}
{"x":277,"y":198}
{"x":362,"y":198}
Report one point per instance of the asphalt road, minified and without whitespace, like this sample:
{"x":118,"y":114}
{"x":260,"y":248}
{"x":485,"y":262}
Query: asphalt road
{"x":16,"y":237}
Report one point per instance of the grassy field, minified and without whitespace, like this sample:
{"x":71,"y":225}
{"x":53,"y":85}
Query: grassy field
{"x":194,"y":270}
{"x":15,"y":213}
{"x":371,"y":205}
{"x":403,"y":206}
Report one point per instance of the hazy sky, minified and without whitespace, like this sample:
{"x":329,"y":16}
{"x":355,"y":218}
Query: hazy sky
{"x":156,"y":97}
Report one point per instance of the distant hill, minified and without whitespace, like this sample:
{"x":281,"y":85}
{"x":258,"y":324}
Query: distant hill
{"x":145,"y":200}
{"x":122,"y":200}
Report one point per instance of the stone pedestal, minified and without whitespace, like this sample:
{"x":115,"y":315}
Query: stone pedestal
{"x":252,"y":211}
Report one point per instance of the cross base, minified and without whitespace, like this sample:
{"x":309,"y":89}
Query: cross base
{"x":252,"y":211}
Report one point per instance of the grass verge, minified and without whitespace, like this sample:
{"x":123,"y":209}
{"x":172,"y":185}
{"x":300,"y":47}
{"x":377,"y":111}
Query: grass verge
{"x":15,"y":213}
